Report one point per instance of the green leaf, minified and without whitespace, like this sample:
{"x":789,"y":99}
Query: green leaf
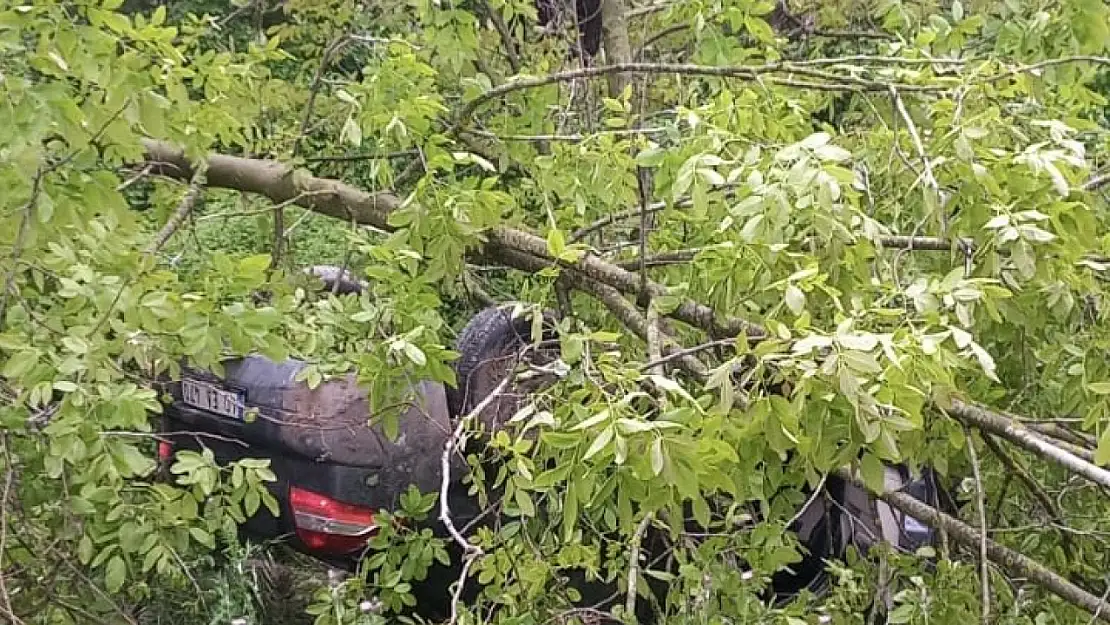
{"x":556,"y":242}
{"x":1102,"y":453}
{"x":415,"y":354}
{"x":671,"y":386}
{"x":872,"y":472}
{"x":658,"y":460}
{"x":570,"y":511}
{"x":832,"y":153}
{"x":85,"y":550}
{"x":1099,"y":388}
{"x":75,"y":344}
{"x":524,"y":502}
{"x":651,"y":157}
{"x":115,"y":574}
{"x":202,"y":537}
{"x":132,"y":460}
{"x":592,"y":421}
{"x":254,"y":266}
{"x":795,"y":299}
{"x":601,"y":442}
{"x":351,"y":132}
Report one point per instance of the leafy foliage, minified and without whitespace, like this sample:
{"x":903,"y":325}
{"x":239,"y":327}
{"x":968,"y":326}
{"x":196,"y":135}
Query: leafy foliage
{"x":912,"y":215}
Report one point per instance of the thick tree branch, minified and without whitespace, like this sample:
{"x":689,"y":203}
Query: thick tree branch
{"x":1008,"y":427}
{"x":612,"y":299}
{"x":690,"y":312}
{"x":279,"y":183}
{"x":614,"y":33}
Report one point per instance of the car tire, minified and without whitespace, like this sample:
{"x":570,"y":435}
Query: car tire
{"x":488,"y":347}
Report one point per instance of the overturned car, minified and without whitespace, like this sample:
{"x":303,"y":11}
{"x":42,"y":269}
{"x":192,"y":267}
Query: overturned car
{"x":335,"y":470}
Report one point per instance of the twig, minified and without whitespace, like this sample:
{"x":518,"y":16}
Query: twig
{"x":1098,"y":611}
{"x":456,"y":594}
{"x":1034,"y":67}
{"x":502,"y":29}
{"x":1008,"y":559}
{"x":9,"y":477}
{"x":852,"y":34}
{"x":765,"y":73}
{"x":471,"y":551}
{"x":314,"y":90}
{"x":672,"y":257}
{"x":144,"y":172}
{"x":651,"y":8}
{"x":167,"y":436}
{"x":809,"y":502}
{"x":683,"y":353}
{"x":929,"y":178}
{"x":1058,"y":431}
{"x":688,"y":311}
{"x":184,"y":209}
{"x":654,"y":340}
{"x":1015,"y":469}
{"x":632,"y":318}
{"x":268,"y":209}
{"x":1097,"y":182}
{"x":571,"y":138}
{"x":981,"y":507}
{"x":634,"y":565}
{"x":586,"y":231}
{"x":658,"y":36}
{"x":342,"y":158}
{"x":20,"y":241}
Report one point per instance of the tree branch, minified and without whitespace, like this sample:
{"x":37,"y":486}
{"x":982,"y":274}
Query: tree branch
{"x":1097,"y":182}
{"x":612,"y":299}
{"x":471,"y":552}
{"x":767,"y":73}
{"x":1031,"y":484}
{"x":634,"y":566}
{"x":618,"y":51}
{"x":1008,"y":427}
{"x":981,"y":509}
{"x":502,"y":29}
{"x":279,"y":183}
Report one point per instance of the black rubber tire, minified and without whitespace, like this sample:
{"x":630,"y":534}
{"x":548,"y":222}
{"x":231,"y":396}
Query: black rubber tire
{"x":486,"y":347}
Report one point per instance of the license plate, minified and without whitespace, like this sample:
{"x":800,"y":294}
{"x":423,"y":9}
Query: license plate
{"x":213,"y":399}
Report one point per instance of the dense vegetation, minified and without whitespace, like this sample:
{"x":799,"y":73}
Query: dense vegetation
{"x":783,"y":241}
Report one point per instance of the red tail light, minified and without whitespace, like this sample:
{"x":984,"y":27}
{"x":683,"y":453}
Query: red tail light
{"x":165,"y":451}
{"x":324,"y":524}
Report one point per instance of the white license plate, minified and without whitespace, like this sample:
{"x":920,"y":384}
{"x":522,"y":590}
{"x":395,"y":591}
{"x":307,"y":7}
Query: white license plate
{"x":212,"y":399}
